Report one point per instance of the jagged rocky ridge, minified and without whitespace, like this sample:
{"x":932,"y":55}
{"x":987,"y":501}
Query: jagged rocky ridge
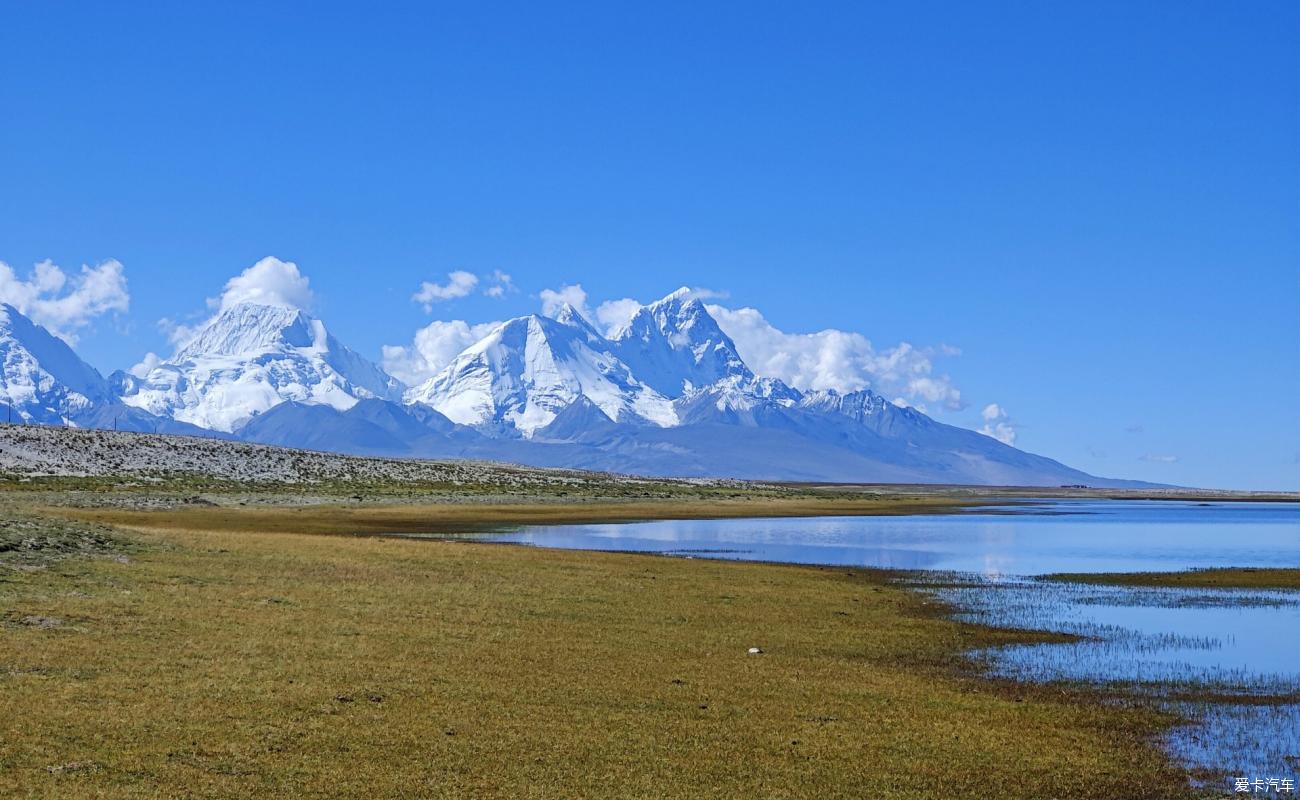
{"x":665,"y":394}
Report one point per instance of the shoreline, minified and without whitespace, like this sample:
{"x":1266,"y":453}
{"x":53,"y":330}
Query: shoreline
{"x":327,"y":515}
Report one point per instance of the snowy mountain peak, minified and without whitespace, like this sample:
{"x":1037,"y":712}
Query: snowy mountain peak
{"x":527,"y":370}
{"x":674,"y":345}
{"x":254,"y":328}
{"x":568,"y":315}
{"x":41,"y":378}
{"x":250,"y":358}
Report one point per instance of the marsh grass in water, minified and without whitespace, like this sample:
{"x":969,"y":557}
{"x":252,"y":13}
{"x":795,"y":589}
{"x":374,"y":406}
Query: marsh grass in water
{"x":1220,"y":657}
{"x":1207,"y":578}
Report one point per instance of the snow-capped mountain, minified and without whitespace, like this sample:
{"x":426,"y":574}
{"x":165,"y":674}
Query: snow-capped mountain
{"x":249,"y":359}
{"x":42,"y":379}
{"x":526,"y":371}
{"x":43,"y":382}
{"x":675,"y":346}
{"x":665,"y":394}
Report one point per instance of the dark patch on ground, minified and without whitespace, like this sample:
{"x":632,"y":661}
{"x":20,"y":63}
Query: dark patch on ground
{"x":34,"y":541}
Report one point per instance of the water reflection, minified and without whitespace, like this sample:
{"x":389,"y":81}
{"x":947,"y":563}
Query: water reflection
{"x":1079,"y":536}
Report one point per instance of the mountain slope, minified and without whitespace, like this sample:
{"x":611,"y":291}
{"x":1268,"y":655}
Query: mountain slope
{"x":370,"y":427}
{"x":249,"y":359}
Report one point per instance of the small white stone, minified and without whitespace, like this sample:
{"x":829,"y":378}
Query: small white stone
{"x":753,"y":651}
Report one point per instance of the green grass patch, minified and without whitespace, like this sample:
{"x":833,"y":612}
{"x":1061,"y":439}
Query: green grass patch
{"x":1217,"y":578}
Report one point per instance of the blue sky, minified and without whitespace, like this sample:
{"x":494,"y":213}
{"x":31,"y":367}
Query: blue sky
{"x":1099,"y":205}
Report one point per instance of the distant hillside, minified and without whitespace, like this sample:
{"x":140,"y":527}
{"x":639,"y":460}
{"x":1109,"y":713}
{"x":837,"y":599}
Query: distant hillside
{"x":28,"y":451}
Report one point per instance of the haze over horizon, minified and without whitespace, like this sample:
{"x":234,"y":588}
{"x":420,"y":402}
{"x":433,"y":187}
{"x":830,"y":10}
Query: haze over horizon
{"x":1110,"y":281}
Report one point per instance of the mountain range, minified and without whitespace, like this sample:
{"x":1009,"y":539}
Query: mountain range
{"x":665,"y":394}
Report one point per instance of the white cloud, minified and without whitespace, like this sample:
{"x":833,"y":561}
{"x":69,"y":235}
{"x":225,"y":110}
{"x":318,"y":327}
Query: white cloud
{"x":66,"y":303}
{"x":459,"y":284}
{"x":146,"y":365}
{"x":574,"y":295}
{"x":269,"y":282}
{"x":433,"y":348}
{"x":1158,"y":458}
{"x":997,"y":424}
{"x":613,"y":314}
{"x":835,"y":359}
{"x":704,"y":293}
{"x":501,"y":284}
{"x":178,"y":333}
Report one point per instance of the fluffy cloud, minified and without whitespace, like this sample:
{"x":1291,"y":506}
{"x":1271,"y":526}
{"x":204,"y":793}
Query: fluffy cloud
{"x":178,"y":333}
{"x":574,"y":295}
{"x":835,"y":359}
{"x":705,"y":293}
{"x":66,"y":303}
{"x":146,"y":365}
{"x":997,"y":424}
{"x":501,"y":285}
{"x":459,"y":284}
{"x":270,"y":282}
{"x":613,"y":314}
{"x":435,"y":345}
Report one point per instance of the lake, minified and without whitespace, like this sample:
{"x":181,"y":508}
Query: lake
{"x":1031,"y":539}
{"x":1167,"y":646}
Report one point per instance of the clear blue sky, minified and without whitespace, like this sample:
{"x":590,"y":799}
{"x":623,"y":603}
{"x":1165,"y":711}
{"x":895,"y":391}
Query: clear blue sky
{"x":1098,"y":203}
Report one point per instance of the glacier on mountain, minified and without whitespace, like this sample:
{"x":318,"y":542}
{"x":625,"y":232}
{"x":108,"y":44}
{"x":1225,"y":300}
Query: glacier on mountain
{"x":249,"y":359}
{"x":522,"y":374}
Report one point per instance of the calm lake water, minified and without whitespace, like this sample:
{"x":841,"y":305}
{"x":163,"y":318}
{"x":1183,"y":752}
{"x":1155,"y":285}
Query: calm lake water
{"x":1165,"y":645}
{"x":1075,"y":536}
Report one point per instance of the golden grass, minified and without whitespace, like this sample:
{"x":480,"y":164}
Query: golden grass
{"x":235,"y":664}
{"x":1217,"y":578}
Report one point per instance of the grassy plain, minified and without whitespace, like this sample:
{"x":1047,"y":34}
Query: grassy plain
{"x":219,"y":652}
